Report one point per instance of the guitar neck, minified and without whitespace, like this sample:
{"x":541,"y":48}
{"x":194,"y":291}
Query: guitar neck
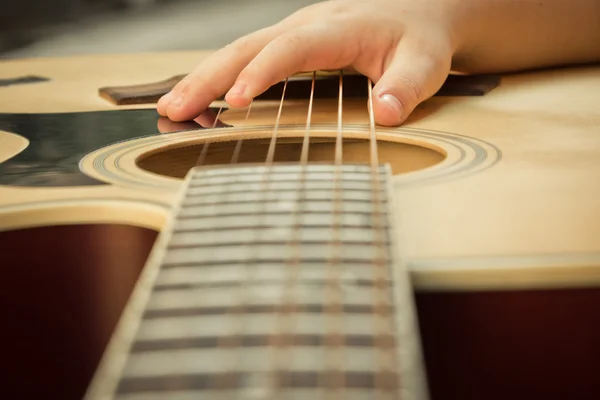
{"x":271,"y":282}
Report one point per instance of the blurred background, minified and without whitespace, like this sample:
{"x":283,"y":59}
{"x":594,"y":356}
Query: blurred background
{"x":42,"y":28}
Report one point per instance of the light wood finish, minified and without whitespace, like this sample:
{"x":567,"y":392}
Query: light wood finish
{"x":499,"y":208}
{"x":75,"y":81}
{"x":506,"y":226}
{"x":11,"y":145}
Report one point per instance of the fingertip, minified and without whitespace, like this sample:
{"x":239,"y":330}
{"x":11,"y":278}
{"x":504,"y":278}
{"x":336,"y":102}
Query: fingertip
{"x":237,"y":101}
{"x":388,"y":110}
{"x":237,"y":96}
{"x":163,"y":103}
{"x":176,"y":108}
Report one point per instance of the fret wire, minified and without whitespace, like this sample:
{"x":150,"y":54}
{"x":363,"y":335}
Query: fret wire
{"x":265,"y":226}
{"x":380,"y":267}
{"x":230,"y":283}
{"x":284,"y":189}
{"x":238,"y":146}
{"x":273,"y":213}
{"x":240,"y":202}
{"x":263,"y":261}
{"x":204,"y":151}
{"x":270,"y":242}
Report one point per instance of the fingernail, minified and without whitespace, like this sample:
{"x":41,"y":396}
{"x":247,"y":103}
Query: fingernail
{"x":237,"y":90}
{"x":393,"y":102}
{"x":164,"y":100}
{"x":167,"y":97}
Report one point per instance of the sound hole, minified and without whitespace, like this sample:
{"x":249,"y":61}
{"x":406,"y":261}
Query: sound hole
{"x":63,"y":290}
{"x":175,"y":162}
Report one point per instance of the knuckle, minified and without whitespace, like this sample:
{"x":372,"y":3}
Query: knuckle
{"x":194,"y":84}
{"x":412,"y":86}
{"x":196,"y":80}
{"x":437,"y":60}
{"x":292,"y":39}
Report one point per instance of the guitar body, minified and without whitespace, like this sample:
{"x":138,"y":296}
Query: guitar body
{"x":495,"y":201}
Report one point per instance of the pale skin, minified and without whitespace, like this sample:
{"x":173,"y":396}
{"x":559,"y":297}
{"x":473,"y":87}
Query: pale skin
{"x":407,"y":47}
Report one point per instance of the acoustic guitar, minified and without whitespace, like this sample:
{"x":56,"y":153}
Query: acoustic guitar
{"x":295,"y":249}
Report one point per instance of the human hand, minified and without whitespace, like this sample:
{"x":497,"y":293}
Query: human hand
{"x":404,"y":46}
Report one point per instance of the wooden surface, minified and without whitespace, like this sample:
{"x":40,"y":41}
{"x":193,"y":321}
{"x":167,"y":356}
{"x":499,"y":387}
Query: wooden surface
{"x":529,"y":220}
{"x":499,"y":229}
{"x":11,"y":145}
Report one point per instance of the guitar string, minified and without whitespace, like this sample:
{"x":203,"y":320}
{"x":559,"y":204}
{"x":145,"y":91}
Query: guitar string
{"x":204,"y":152}
{"x":334,"y":380}
{"x":271,"y":153}
{"x":238,"y":146}
{"x":285,"y":318}
{"x":245,"y":295}
{"x":254,"y":381}
{"x":232,"y":340}
{"x":338,"y":163}
{"x":306,"y":140}
{"x":381,"y":325}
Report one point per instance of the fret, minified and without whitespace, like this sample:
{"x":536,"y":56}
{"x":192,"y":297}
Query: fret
{"x":140,"y":346}
{"x":254,"y":308}
{"x":284,"y":172}
{"x":275,"y":207}
{"x":272,"y":242}
{"x":282,"y":186}
{"x":259,"y":294}
{"x":238,"y":380}
{"x":275,"y":176}
{"x":299,"y":393}
{"x":237,"y":298}
{"x":263,"y":282}
{"x":214,"y":274}
{"x":275,"y":196}
{"x":276,"y":234}
{"x":259,"y":252}
{"x":271,"y":220}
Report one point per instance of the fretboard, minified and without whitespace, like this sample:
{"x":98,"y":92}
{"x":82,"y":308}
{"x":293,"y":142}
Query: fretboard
{"x":271,"y":282}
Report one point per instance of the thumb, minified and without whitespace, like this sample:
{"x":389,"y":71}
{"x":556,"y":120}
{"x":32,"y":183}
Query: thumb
{"x":414,"y":75}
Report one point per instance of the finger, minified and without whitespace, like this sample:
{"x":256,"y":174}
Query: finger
{"x":308,"y":48}
{"x":194,"y":93}
{"x":416,"y":73}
